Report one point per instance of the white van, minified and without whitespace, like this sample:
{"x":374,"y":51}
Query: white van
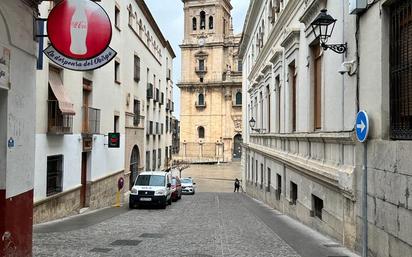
{"x":151,"y":188}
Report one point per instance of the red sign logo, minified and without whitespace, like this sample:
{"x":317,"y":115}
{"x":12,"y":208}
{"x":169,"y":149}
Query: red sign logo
{"x":80,"y":32}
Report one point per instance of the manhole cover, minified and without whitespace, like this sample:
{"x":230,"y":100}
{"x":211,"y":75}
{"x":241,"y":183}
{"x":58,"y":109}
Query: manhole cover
{"x":198,"y":255}
{"x":332,"y":245}
{"x":152,"y":235}
{"x":100,"y":250}
{"x":126,"y":243}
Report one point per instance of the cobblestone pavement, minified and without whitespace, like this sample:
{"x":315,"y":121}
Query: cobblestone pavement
{"x":205,"y":224}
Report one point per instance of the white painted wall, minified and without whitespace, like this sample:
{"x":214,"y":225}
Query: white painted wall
{"x":16,"y":33}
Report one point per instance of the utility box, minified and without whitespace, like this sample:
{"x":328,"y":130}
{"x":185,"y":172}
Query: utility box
{"x":357,"y":6}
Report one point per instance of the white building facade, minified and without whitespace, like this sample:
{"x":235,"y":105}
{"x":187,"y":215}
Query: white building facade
{"x":76,"y":111}
{"x":18,"y":51}
{"x":301,"y":156}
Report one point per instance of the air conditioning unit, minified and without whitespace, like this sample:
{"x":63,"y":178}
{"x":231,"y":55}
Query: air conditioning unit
{"x":357,"y":6}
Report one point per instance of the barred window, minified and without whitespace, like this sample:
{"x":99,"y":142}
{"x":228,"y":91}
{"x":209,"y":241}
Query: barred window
{"x":54,"y":175}
{"x":401,"y":70}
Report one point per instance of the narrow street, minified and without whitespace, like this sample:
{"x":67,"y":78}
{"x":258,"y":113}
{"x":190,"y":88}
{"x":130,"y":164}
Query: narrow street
{"x":219,"y":223}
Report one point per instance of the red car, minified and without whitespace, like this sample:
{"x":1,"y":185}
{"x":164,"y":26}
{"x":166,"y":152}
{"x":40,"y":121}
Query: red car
{"x":176,"y":189}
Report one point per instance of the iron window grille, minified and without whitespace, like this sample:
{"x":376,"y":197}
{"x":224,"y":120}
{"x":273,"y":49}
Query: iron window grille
{"x":401,"y":71}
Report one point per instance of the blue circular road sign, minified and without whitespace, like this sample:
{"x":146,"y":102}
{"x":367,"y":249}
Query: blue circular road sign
{"x":362,"y":126}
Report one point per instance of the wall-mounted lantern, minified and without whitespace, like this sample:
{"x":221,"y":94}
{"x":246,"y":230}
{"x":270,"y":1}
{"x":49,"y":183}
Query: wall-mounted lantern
{"x":323,"y":27}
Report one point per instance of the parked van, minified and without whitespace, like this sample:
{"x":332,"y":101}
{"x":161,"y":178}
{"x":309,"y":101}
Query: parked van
{"x":151,"y":188}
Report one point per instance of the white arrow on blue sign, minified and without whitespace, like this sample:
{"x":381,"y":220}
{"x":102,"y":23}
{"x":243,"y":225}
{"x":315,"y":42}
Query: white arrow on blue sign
{"x":362,"y":126}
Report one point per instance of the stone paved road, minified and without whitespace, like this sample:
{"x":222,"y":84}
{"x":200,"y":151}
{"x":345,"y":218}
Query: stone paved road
{"x":206,"y":224}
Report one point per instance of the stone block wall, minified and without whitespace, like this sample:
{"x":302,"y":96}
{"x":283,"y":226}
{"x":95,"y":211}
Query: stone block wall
{"x":389,"y":198}
{"x":103,"y":191}
{"x":57,"y":206}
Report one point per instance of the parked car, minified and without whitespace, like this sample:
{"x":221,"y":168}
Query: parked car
{"x":176,"y":189}
{"x":151,"y":188}
{"x":188,"y":186}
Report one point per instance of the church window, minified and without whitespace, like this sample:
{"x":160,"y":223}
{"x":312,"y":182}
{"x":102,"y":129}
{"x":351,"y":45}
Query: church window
{"x":211,"y":22}
{"x":202,"y":20}
{"x":194,"y":23}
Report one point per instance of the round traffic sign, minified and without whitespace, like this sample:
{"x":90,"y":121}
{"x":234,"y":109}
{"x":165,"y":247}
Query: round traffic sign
{"x":79,"y":29}
{"x":120,"y":183}
{"x":362,"y":126}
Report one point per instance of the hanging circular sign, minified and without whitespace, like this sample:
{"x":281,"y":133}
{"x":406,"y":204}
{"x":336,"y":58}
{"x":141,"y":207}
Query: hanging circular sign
{"x":80,"y":32}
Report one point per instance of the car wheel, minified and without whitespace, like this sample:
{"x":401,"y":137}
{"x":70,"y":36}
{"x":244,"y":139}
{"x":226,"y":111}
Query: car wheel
{"x":170,"y":201}
{"x":164,"y":205}
{"x":131,"y":205}
{"x":180,"y":196}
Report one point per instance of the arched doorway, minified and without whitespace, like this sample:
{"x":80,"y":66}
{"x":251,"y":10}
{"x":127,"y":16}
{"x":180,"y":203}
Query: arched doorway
{"x":237,"y":146}
{"x":134,"y":165}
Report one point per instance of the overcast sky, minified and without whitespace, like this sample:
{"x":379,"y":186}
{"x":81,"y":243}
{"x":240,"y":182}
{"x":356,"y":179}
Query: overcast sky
{"x":169,"y":16}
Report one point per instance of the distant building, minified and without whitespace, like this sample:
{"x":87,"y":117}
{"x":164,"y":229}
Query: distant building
{"x":175,"y":127}
{"x":131,"y":95}
{"x":300,"y":103}
{"x":211,"y":97}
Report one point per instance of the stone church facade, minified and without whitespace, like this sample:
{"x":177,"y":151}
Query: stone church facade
{"x":211,"y":89}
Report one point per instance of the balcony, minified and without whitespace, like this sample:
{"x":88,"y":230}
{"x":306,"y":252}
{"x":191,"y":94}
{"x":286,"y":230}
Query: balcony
{"x":91,"y":120}
{"x":149,"y":91}
{"x":149,"y":130}
{"x":58,"y":123}
{"x":200,"y":105}
{"x":201,"y":71}
{"x":135,"y":120}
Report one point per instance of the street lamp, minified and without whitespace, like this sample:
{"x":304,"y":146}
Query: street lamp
{"x":252,"y":123}
{"x":323,"y":27}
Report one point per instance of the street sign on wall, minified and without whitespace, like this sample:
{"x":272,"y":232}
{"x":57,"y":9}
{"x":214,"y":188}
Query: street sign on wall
{"x":114,"y":140}
{"x":80,"y":32}
{"x":362,"y":126}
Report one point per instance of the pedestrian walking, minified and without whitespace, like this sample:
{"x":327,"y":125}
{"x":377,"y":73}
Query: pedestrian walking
{"x":237,"y":185}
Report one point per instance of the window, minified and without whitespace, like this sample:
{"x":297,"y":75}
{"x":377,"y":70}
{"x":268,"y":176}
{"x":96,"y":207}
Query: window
{"x":136,"y":110}
{"x":261,"y":176}
{"x":400,"y":71}
{"x":201,"y":100}
{"x":167,"y":124}
{"x":194,"y":23}
{"x":269,"y":177}
{"x":239,"y":98}
{"x":268,"y":108}
{"x":117,"y":71}
{"x":211,"y":22}
{"x":293,"y":193}
{"x":116,"y":124}
{"x":147,"y":160}
{"x":201,"y":65}
{"x":154,"y":160}
{"x":292,"y":79}
{"x":159,"y":160}
{"x":317,"y":206}
{"x":278,"y":104}
{"x":239,"y":66}
{"x":317,"y":85}
{"x":136,"y":68}
{"x":54,"y":175}
{"x":117,"y":17}
{"x":256,"y":175}
{"x":279,"y":186}
{"x":224,"y":26}
{"x":201,"y":132}
{"x":253,"y":169}
{"x":202,"y":20}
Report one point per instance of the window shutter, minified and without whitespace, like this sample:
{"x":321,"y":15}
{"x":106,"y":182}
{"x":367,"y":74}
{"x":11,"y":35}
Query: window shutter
{"x":136,"y":68}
